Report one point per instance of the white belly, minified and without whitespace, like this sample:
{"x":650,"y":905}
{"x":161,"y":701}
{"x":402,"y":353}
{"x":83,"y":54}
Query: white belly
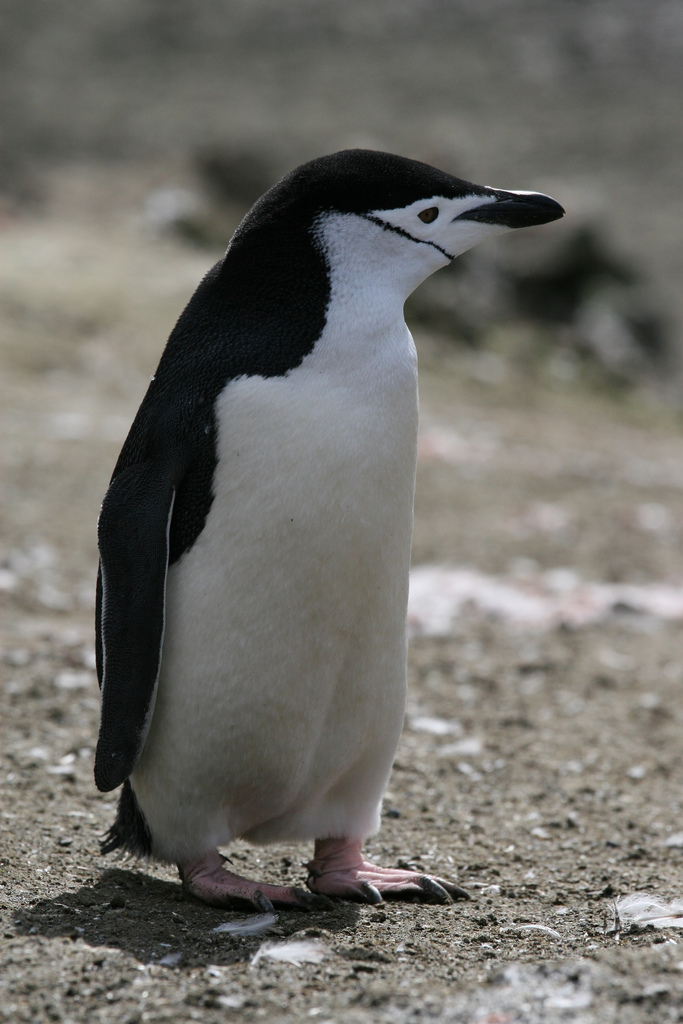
{"x":282,"y":687}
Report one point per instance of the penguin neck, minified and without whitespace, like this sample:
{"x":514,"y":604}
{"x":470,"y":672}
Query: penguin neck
{"x":365,"y":342}
{"x":372,"y":270}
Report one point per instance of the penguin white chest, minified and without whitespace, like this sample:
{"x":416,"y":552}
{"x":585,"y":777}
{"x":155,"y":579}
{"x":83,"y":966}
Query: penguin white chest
{"x":282,"y":686}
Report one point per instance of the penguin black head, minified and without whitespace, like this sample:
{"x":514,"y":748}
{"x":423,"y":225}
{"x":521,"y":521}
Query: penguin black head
{"x":424,"y":204}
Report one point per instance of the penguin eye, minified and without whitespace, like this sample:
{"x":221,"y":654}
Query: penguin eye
{"x":427,"y":216}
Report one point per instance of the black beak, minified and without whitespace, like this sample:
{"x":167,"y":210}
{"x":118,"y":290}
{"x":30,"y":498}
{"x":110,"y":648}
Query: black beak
{"x":516,"y":210}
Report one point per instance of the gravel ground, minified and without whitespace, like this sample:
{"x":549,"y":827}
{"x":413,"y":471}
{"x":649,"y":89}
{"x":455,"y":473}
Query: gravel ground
{"x":540,"y":770}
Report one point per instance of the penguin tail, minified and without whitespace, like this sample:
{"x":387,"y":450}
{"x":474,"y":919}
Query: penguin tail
{"x":130,"y":831}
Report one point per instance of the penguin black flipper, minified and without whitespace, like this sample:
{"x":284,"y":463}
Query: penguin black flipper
{"x":133,"y":536}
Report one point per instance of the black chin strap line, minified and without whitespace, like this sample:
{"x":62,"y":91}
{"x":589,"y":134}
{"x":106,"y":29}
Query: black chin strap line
{"x":405,"y":234}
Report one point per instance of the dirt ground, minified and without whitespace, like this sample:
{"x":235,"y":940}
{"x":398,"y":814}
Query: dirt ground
{"x":540,"y":770}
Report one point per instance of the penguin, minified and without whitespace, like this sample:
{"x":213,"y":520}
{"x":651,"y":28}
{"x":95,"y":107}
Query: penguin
{"x":255,"y":537}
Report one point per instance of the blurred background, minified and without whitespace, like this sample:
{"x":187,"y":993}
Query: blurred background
{"x":135,"y":135}
{"x":546,"y":596}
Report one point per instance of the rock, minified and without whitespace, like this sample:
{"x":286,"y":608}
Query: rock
{"x":591,"y":302}
{"x":235,"y":176}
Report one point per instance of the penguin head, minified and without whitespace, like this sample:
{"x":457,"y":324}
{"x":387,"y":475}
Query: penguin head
{"x":389,"y":212}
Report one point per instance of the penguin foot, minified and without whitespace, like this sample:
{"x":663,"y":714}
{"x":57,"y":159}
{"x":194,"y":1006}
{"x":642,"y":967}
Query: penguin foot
{"x":339,"y":869}
{"x":212,"y":883}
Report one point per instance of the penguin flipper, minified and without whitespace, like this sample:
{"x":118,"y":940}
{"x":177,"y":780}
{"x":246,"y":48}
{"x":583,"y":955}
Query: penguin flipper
{"x":133,"y":537}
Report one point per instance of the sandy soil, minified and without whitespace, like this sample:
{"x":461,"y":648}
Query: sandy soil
{"x":541,"y":770}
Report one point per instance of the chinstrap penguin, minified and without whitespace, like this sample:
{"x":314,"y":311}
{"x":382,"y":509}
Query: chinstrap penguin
{"x":255,"y":537}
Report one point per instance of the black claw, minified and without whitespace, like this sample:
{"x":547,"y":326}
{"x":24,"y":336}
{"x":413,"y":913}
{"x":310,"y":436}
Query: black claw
{"x":432,"y":888}
{"x":263,"y":903}
{"x":312,"y":900}
{"x":312,"y":873}
{"x":454,"y":890}
{"x":370,"y":894}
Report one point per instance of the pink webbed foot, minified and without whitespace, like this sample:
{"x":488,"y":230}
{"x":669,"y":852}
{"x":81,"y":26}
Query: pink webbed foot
{"x":339,"y":869}
{"x":212,"y":883}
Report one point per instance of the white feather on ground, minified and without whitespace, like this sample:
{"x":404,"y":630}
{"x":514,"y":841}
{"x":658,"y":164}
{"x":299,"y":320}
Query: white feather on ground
{"x":539,"y":928}
{"x":517,"y":928}
{"x":642,"y":909}
{"x":296,"y":951}
{"x":254,"y":925}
